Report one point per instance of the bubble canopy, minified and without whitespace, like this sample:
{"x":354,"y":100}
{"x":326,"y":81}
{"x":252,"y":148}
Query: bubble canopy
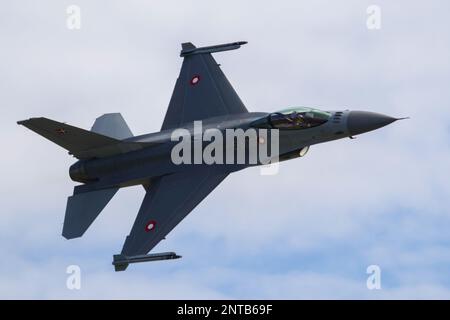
{"x":293,"y":119}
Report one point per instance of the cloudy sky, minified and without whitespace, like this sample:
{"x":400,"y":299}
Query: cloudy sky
{"x":310,"y":231}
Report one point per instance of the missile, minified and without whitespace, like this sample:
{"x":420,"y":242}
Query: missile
{"x":189,"y":48}
{"x":121,"y":262}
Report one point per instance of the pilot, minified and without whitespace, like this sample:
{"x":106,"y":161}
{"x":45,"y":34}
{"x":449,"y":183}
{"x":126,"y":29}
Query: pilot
{"x":296,"y":119}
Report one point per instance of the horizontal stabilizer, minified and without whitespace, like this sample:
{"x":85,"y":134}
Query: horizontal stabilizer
{"x":82,"y":209}
{"x":83,"y":144}
{"x":121,"y":262}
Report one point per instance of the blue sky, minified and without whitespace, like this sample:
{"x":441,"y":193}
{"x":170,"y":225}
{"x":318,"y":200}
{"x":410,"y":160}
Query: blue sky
{"x":308,"y":232}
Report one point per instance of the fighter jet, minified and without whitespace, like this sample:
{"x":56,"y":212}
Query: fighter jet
{"x":110,"y":157}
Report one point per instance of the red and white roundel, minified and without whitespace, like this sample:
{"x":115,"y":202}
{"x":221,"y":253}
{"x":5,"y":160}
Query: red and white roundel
{"x":195,"y":79}
{"x":150,"y":226}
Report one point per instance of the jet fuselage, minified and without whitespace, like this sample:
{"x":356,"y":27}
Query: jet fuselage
{"x":134,"y":167}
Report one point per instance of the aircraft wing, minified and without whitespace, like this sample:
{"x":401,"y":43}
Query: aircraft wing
{"x":168,"y":200}
{"x":202,"y":90}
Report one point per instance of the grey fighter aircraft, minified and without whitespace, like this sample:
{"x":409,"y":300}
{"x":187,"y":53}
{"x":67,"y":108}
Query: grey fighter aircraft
{"x":110,"y":157}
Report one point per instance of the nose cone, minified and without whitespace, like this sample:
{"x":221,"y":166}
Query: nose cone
{"x":363,"y":121}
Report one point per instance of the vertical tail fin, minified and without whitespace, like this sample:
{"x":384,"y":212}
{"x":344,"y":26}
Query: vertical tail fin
{"x":112,"y":125}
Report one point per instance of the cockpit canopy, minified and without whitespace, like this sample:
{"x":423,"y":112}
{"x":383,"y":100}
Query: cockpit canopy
{"x":293,"y":118}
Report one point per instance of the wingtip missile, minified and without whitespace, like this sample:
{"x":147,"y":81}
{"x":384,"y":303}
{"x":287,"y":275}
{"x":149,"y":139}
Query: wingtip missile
{"x":121,"y":262}
{"x":189,"y":49}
